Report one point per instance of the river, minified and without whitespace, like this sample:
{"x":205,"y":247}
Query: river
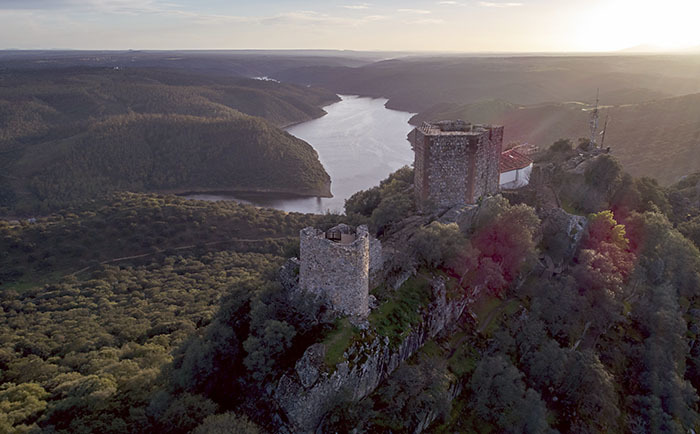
{"x":359,"y":142}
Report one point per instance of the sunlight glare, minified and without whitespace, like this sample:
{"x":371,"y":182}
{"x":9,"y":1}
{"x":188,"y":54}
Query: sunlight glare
{"x":618,"y":24}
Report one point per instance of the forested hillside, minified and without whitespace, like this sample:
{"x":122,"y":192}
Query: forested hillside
{"x":161,"y":314}
{"x":75,"y":94}
{"x":170,"y":153}
{"x":69,"y":135}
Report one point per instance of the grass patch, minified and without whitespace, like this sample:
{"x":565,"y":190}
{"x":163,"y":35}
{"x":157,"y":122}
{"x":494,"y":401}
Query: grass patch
{"x":490,"y":309}
{"x":483,"y":307}
{"x":337,"y":341}
{"x":24,"y":284}
{"x":394,"y":318}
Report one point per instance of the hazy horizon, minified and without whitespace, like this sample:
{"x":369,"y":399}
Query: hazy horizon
{"x":443,"y":26}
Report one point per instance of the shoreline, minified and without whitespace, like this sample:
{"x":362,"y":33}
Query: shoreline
{"x":243,"y":192}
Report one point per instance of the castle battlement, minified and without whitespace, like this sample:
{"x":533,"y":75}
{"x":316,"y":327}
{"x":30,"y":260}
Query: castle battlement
{"x":453,"y":128}
{"x":336,"y":266}
{"x":456,"y":162}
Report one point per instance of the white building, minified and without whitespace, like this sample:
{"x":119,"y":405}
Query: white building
{"x":515,"y":169}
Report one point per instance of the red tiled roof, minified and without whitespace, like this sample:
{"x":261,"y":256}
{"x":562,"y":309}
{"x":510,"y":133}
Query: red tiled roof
{"x":513,"y":160}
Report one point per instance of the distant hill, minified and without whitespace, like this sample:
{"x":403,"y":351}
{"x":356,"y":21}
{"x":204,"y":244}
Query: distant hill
{"x":75,"y":94}
{"x":70,"y":134}
{"x":214,"y":63}
{"x":658,"y":138}
{"x":656,"y":49}
{"x":171,"y":153}
{"x":417,"y":83}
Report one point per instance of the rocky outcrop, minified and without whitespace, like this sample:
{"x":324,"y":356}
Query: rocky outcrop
{"x":567,"y":229}
{"x":306,"y":397}
{"x":309,"y":367}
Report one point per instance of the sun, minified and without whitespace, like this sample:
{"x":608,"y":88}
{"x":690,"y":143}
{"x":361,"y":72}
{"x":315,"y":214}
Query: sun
{"x":617,"y":24}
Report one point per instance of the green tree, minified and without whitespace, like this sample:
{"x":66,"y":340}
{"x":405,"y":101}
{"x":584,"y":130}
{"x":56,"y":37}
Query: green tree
{"x":500,"y":396}
{"x":227,"y":423}
{"x":20,"y":405}
{"x":440,"y":244}
{"x":264,"y":348}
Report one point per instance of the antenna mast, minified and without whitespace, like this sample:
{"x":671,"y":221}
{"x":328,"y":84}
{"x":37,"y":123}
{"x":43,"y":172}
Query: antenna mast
{"x":594,"y":118}
{"x":605,"y":129}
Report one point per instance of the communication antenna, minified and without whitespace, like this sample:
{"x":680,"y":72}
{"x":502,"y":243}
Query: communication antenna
{"x":594,"y":118}
{"x":605,"y":129}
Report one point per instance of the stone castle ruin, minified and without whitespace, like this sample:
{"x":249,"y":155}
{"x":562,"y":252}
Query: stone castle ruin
{"x":456,"y":162}
{"x":339,"y":265}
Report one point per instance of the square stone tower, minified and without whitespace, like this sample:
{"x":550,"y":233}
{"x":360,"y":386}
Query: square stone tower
{"x":336,"y":266}
{"x":456,"y":162}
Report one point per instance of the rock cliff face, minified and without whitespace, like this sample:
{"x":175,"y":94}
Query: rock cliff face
{"x":308,"y":392}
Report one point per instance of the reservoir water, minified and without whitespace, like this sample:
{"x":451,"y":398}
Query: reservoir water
{"x":359,"y":142}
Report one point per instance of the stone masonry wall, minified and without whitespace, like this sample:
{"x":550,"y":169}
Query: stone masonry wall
{"x":454,"y":167}
{"x":309,"y":392}
{"x":376,"y":262}
{"x":339,"y":273}
{"x":448,"y":170}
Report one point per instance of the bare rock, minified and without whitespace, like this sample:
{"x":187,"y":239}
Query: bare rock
{"x":310,"y":364}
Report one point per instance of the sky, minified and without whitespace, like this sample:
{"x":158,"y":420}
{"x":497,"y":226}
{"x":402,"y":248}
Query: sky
{"x":409,"y":25}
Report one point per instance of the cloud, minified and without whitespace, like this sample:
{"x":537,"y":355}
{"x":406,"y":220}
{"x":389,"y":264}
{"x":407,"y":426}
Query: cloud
{"x":312,"y":18}
{"x":427,"y":21}
{"x":131,"y":7}
{"x":357,"y":6}
{"x":415,"y":11}
{"x":499,"y":4}
{"x":448,"y":2}
{"x":370,"y":18}
{"x":35,"y":4}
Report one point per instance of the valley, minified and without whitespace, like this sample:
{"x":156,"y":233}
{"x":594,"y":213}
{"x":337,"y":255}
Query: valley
{"x":428,"y":299}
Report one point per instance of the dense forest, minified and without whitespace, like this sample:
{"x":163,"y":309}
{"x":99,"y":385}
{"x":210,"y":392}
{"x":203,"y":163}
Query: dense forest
{"x":174,"y":320}
{"x":68,"y":135}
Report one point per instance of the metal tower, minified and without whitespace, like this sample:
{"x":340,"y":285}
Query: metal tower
{"x":594,"y":119}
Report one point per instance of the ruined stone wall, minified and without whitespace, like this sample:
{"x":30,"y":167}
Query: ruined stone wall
{"x":376,"y":262}
{"x":338,"y":273}
{"x":307,"y":393}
